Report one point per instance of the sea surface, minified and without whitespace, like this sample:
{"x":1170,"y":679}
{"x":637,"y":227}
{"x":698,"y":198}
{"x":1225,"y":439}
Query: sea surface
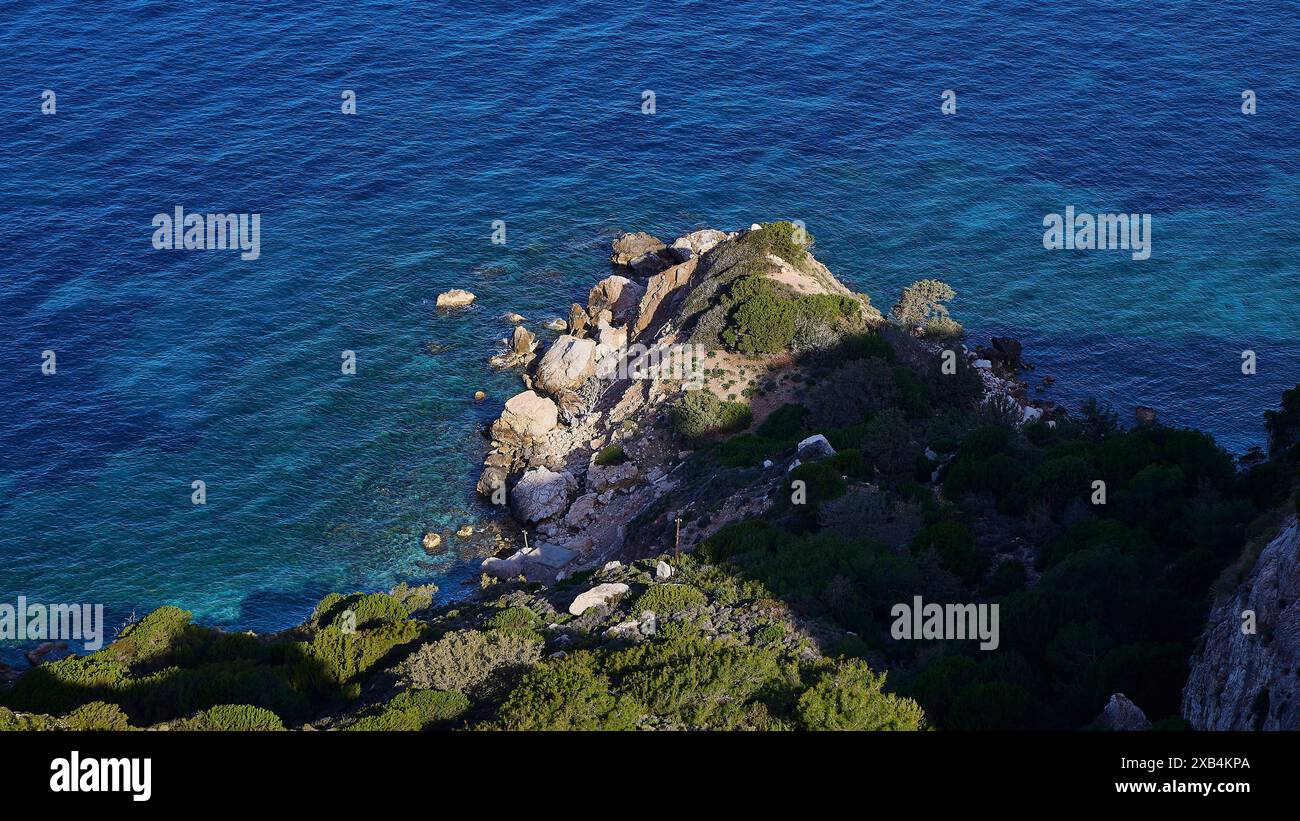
{"x":176,"y":366}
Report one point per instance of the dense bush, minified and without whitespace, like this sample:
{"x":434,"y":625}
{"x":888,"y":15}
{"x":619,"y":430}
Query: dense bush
{"x":97,"y":715}
{"x":668,"y":600}
{"x":233,"y":718}
{"x":414,"y":710}
{"x":749,"y":535}
{"x":955,"y":545}
{"x":475,"y":663}
{"x":699,"y":414}
{"x":922,"y":305}
{"x":567,"y":693}
{"x":704,"y":684}
{"x":611,"y":455}
{"x":851,"y":697}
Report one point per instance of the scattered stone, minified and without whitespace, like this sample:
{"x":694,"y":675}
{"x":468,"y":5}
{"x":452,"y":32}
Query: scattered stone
{"x":657,"y":289}
{"x":455,"y":298}
{"x":556,"y":325}
{"x":649,"y":623}
{"x":1123,"y":715}
{"x":983,"y":364}
{"x":1144,"y":415}
{"x":624,"y":629}
{"x":431,"y":542}
{"x":663,"y":571}
{"x":647,"y":265}
{"x":618,"y":295}
{"x":465,"y":531}
{"x":513,"y":318}
{"x":615,"y":565}
{"x":479,"y":396}
{"x":582,"y":511}
{"x":597,"y":596}
{"x":541,"y":494}
{"x":602,"y":478}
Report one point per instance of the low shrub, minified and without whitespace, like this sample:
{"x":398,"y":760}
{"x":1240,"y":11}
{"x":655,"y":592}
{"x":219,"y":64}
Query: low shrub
{"x":700,"y":414}
{"x":233,"y":718}
{"x":475,"y":663}
{"x":414,"y":710}
{"x":669,"y":599}
{"x":611,"y":455}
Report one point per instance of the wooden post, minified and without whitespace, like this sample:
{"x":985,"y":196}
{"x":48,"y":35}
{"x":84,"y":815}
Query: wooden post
{"x":677,"y":547}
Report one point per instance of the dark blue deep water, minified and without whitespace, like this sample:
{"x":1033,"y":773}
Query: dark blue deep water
{"x":176,"y":366}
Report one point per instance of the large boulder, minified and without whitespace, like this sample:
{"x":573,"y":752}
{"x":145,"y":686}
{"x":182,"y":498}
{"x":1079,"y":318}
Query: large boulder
{"x":491,"y":479}
{"x":578,"y":320}
{"x":541,"y":494}
{"x":618,"y":295}
{"x":455,"y":298}
{"x":527,"y":417}
{"x":696,"y":243}
{"x":630,"y":246}
{"x":567,"y":364}
{"x":597,"y":596}
{"x":522,"y":342}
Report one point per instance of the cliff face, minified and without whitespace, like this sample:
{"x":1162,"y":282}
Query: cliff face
{"x":1244,"y":681}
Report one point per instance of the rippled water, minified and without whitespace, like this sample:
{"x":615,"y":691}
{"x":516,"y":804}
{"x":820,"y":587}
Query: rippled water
{"x":179,"y":366}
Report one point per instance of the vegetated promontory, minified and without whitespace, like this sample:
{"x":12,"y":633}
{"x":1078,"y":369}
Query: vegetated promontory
{"x":819,"y":462}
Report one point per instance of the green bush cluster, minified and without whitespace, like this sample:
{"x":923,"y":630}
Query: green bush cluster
{"x":611,"y":454}
{"x":478,"y":664}
{"x":697,"y":415}
{"x":669,"y":600}
{"x":414,"y":710}
{"x":227,"y":718}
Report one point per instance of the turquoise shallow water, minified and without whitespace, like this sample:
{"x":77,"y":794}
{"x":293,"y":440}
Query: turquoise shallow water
{"x":180,"y":366}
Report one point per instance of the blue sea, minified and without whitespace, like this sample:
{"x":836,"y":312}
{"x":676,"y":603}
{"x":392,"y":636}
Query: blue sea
{"x":177,"y":366}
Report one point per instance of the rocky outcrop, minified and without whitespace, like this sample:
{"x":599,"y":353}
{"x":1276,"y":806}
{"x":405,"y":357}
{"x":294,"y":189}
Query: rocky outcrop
{"x":654,"y":307}
{"x":618,"y":295}
{"x":696,"y":244}
{"x":567,"y":364}
{"x":541,"y":494}
{"x":1245,"y":678}
{"x":628,"y":247}
{"x":455,"y":298}
{"x":1122,"y":715}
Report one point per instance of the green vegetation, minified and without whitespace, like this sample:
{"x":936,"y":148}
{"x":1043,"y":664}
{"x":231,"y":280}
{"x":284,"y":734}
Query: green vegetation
{"x":699,"y":414}
{"x":414,"y":710}
{"x":611,"y":455}
{"x":233,"y":718}
{"x":921,"y":305}
{"x":668,"y":600}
